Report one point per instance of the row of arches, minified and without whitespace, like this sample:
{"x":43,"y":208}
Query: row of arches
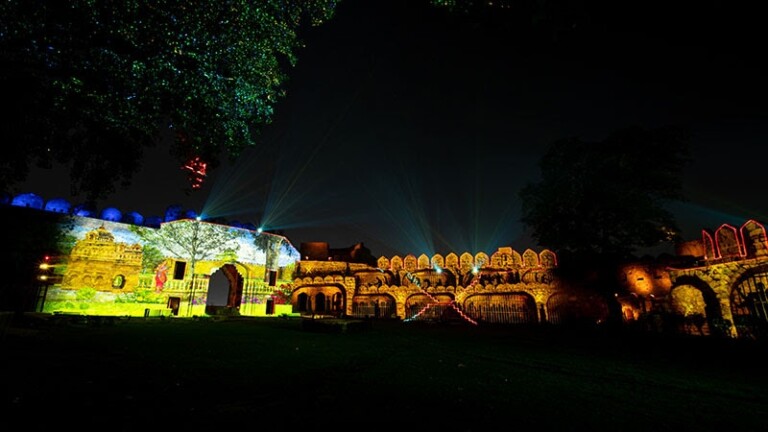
{"x":742,"y":311}
{"x":692,"y":306}
{"x":496,"y":308}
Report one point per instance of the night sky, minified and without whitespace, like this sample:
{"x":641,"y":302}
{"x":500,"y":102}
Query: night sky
{"x":412,"y":130}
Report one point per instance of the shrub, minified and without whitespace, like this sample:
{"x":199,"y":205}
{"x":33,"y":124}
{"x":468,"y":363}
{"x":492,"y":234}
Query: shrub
{"x":85,"y":294}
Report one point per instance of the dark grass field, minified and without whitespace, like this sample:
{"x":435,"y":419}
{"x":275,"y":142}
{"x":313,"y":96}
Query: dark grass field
{"x":275,"y":374}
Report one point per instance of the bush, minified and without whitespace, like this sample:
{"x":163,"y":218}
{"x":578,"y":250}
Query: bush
{"x":85,"y":294}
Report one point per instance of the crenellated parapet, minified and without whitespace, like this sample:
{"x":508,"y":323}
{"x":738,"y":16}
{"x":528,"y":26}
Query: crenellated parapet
{"x":729,"y":242}
{"x":504,"y":258}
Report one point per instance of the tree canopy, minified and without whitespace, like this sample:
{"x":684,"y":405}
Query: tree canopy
{"x":609,"y":197}
{"x":90,"y":84}
{"x":190,"y":240}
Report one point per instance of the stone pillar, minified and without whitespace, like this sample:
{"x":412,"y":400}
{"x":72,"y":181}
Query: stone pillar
{"x":542,"y":312}
{"x":725,"y":312}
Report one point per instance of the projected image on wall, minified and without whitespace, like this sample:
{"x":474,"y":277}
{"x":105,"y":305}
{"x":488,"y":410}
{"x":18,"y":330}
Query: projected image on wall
{"x":185,"y":267}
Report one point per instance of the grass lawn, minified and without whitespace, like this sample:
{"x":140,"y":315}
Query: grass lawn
{"x":275,"y":374}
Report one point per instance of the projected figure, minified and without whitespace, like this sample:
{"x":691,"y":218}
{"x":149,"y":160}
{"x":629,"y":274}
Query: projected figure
{"x":161,"y":275}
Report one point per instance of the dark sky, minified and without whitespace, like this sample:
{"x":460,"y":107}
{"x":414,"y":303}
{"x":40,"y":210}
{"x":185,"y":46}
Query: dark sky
{"x":411,"y":129}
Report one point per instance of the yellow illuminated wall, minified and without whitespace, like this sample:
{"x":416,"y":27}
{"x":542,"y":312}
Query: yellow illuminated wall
{"x":112,"y":268}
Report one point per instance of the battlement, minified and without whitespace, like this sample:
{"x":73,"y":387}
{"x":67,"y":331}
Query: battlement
{"x":504,"y":258}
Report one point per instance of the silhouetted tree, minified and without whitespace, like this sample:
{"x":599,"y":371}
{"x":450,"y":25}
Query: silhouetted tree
{"x":608,"y":198}
{"x":91,"y":84}
{"x":598,"y":202}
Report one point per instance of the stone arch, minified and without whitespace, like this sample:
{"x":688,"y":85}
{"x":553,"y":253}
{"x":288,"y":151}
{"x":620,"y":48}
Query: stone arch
{"x":424,"y":306}
{"x":727,"y":242}
{"x":753,"y":238}
{"x":218,"y":290}
{"x":73,"y":279}
{"x":688,"y":306}
{"x":337,"y":303}
{"x":711,"y":305}
{"x":576,"y":308}
{"x":501,"y":308}
{"x":226,"y":281}
{"x":374,"y":306}
{"x":236,"y":273}
{"x":423,"y":262}
{"x":528,"y":276}
{"x":320,"y":302}
{"x":301,"y":301}
{"x":748,"y":301}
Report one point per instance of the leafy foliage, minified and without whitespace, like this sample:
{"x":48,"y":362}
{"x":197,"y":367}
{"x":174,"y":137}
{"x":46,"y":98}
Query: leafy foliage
{"x":86,"y":294}
{"x":143,"y":295}
{"x":151,"y":257}
{"x":98,"y":81}
{"x":607,"y":197}
{"x":189,"y":239}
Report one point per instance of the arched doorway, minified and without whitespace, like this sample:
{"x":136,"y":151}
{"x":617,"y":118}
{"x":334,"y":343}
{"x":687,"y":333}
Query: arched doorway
{"x":513,"y":308}
{"x":320,"y":305}
{"x":749,"y":304}
{"x":302,"y":302}
{"x":572,"y":308}
{"x":438,"y":307}
{"x":694,"y":308}
{"x":374,"y":306}
{"x":225,"y":291}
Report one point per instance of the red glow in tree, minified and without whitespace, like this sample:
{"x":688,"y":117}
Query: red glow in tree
{"x":197,"y":171}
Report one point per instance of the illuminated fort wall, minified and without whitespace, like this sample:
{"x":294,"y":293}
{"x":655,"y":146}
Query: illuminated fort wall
{"x":123,"y":264}
{"x":718,"y":289}
{"x":506,"y":287}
